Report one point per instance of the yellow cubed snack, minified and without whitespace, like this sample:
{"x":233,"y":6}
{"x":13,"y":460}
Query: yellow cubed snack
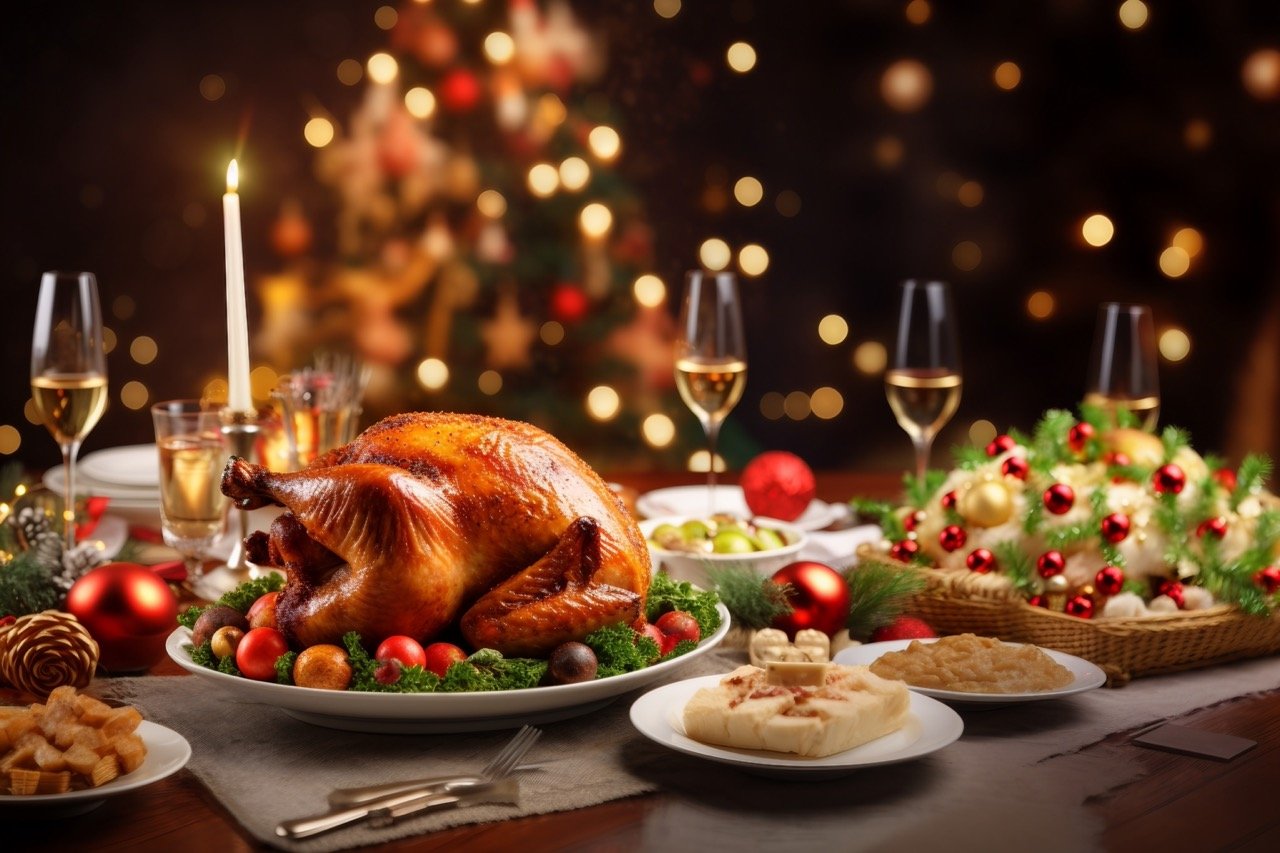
{"x":18,"y":758}
{"x":65,"y":735}
{"x":131,"y":751}
{"x":104,"y":771}
{"x":39,"y":782}
{"x":81,"y":759}
{"x":90,"y":737}
{"x":92,"y":712}
{"x":49,"y":757}
{"x":55,"y":716}
{"x":121,"y":721}
{"x":19,"y":725}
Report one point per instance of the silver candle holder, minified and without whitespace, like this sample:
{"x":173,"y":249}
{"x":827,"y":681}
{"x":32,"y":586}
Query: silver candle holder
{"x":241,"y":431}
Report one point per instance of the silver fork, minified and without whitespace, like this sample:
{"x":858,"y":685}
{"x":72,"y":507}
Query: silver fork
{"x":499,"y":767}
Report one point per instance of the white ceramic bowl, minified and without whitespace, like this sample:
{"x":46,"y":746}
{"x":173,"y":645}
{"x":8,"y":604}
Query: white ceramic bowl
{"x":686,"y":566}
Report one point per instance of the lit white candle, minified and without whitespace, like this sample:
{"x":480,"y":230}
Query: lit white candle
{"x":238,"y":396}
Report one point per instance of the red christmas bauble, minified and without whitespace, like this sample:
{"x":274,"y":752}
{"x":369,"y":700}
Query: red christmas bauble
{"x":1173,"y":589}
{"x":129,"y":610}
{"x":1080,"y":606}
{"x":1114,"y":527}
{"x":1268,"y":579}
{"x":1215,"y":527}
{"x":460,"y":91}
{"x":905,"y":550}
{"x":948,"y":501}
{"x":568,"y":303}
{"x":1051,"y":563}
{"x":1168,"y":479}
{"x":819,"y":598}
{"x":1117,"y":459}
{"x":1226,"y":478}
{"x":1038,"y":601}
{"x":1109,"y":580}
{"x":980,"y":560}
{"x":778,"y":484}
{"x":1078,"y":436}
{"x":952,"y":537}
{"x":911,"y":519}
{"x":1015,"y":466}
{"x":1059,"y":498}
{"x":1000,"y":444}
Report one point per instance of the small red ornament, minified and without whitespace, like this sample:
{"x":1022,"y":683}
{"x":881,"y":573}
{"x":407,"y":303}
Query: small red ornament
{"x":1078,"y":436}
{"x":948,"y":500}
{"x":778,"y":484}
{"x":568,"y":303}
{"x":1015,"y":466}
{"x":911,"y":519}
{"x":1109,"y":580}
{"x":1226,"y":478}
{"x":980,"y":560}
{"x":1038,"y":601}
{"x":1168,"y":479}
{"x":952,"y":537}
{"x":1117,"y":459}
{"x":129,"y":610}
{"x":460,"y":91}
{"x":1215,"y":527}
{"x":1114,"y":527}
{"x":1051,"y":563}
{"x":1173,"y":589}
{"x":1268,"y":579}
{"x":1000,"y":444}
{"x":1059,"y":498}
{"x":905,"y":550}
{"x":1080,"y":606}
{"x":819,"y":598}
{"x":903,"y":628}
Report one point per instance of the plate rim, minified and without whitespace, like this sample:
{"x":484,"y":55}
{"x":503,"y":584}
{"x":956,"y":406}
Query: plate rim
{"x":830,"y":509}
{"x":95,"y":459}
{"x":1089,"y":676}
{"x":940,"y":727}
{"x":154,"y":736}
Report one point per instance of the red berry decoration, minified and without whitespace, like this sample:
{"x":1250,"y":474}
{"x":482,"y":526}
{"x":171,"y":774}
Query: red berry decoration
{"x":1173,"y":589}
{"x":905,"y":550}
{"x":911,"y":519}
{"x":460,"y":91}
{"x":980,"y":560}
{"x":952,"y":537}
{"x":778,"y":484}
{"x":1051,"y":563}
{"x":1059,"y":498}
{"x":569,"y":303}
{"x":948,"y":500}
{"x":1168,"y":479}
{"x":1000,"y":444}
{"x":903,"y":628}
{"x":1038,"y":601}
{"x":1109,"y":580}
{"x":1080,"y":606}
{"x":1215,"y":527}
{"x":1015,"y":466}
{"x":1078,"y":436}
{"x":1268,"y":579}
{"x":1117,"y":459}
{"x":1226,"y":478}
{"x":1114,"y":527}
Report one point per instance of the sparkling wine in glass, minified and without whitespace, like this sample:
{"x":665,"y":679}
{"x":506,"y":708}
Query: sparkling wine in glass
{"x":923,"y":382}
{"x":192,"y":455}
{"x":711,"y":356}
{"x":1122,"y":373}
{"x":68,"y":370}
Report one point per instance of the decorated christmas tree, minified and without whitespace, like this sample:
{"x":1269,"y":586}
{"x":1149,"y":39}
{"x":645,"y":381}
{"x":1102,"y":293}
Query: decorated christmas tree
{"x":486,"y":255}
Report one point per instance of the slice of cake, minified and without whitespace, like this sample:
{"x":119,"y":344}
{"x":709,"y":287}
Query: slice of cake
{"x":808,"y":709}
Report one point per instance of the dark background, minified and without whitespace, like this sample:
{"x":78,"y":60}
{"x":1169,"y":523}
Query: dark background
{"x":114,"y":162}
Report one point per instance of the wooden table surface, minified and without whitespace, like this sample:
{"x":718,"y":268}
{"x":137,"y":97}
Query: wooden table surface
{"x":1180,"y":803}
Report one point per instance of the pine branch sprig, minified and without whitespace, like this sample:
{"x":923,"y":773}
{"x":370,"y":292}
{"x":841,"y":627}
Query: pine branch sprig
{"x":1017,"y":566}
{"x":968,"y":458}
{"x":919,"y":491}
{"x":1254,"y":471}
{"x":878,"y":593}
{"x":752,"y":601}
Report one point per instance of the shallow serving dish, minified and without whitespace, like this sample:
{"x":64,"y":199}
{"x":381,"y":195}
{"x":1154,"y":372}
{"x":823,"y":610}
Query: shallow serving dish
{"x":686,"y":566}
{"x":436,"y":712}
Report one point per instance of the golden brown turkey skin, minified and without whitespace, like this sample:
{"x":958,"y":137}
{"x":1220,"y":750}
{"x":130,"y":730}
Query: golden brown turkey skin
{"x":426,"y":517}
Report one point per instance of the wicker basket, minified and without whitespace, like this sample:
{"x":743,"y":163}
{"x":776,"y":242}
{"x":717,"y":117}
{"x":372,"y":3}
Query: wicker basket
{"x":959,"y":601}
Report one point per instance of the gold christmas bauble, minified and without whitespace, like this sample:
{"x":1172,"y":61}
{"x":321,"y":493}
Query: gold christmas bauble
{"x":1142,"y":448}
{"x":987,"y":504}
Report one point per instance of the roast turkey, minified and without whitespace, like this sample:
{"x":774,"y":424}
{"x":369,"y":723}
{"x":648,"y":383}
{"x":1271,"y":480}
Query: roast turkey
{"x":430,"y":521}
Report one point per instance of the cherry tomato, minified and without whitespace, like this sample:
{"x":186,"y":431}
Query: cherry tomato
{"x":679,"y":625}
{"x":257,"y":652}
{"x":440,"y":655}
{"x":262,"y":613}
{"x":405,"y":649}
{"x":388,"y":672}
{"x":664,"y":643}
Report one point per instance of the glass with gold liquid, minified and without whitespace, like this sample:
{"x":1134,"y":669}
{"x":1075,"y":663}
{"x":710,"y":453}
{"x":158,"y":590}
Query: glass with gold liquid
{"x":68,"y":370}
{"x":1123,"y":373}
{"x":193,"y":453}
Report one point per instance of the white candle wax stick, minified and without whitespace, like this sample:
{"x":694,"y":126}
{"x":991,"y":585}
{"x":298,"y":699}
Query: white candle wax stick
{"x":238,"y":396}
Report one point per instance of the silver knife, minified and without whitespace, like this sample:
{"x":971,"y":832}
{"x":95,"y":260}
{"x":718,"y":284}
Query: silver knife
{"x":387,"y":809}
{"x":342,"y":797}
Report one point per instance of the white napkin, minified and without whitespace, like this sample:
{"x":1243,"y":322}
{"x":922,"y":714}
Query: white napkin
{"x":838,"y":548}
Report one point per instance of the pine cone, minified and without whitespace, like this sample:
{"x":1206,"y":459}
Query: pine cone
{"x":30,"y":523}
{"x":42,"y":651}
{"x":46,"y":549}
{"x":77,"y":562}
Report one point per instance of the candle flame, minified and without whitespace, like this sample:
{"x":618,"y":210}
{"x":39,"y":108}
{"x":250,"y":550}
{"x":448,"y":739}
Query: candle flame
{"x":233,"y":177}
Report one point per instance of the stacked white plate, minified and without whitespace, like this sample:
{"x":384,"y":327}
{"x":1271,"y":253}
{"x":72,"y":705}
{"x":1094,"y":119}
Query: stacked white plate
{"x":129,"y":476}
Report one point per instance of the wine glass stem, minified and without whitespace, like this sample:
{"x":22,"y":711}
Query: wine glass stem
{"x":713,"y":435}
{"x":924,"y":444}
{"x":69,"y":494}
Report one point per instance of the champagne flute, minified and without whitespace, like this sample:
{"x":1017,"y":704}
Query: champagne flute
{"x":192,"y":455}
{"x":68,"y":371}
{"x":923,"y":383}
{"x":1122,"y":370}
{"x":711,"y":356}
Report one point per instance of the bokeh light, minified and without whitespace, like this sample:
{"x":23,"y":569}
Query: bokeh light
{"x":143,"y":349}
{"x":982,"y":432}
{"x":551,"y":332}
{"x":741,"y":57}
{"x":796,"y":405}
{"x":666,"y":8}
{"x":870,"y":358}
{"x":1188,"y":240}
{"x":212,"y":87}
{"x":574,"y":173}
{"x":382,"y":68}
{"x":772,"y":405}
{"x":788,"y":203}
{"x":350,"y":71}
{"x":10,"y":439}
{"x":970,"y":193}
{"x":748,"y":191}
{"x":492,"y":204}
{"x":826,"y":402}
{"x":833,"y":329}
{"x":489,"y":382}
{"x":595,"y":220}
{"x":420,"y":102}
{"x":888,"y":152}
{"x":753,"y":259}
{"x":262,"y":381}
{"x":605,"y":142}
{"x":603,"y":403}
{"x":1261,"y":74}
{"x":1133,"y":14}
{"x":1097,"y":229}
{"x":123,"y":306}
{"x":1197,"y":134}
{"x":1175,"y":344}
{"x":499,"y":47}
{"x":109,"y":340}
{"x":966,"y":256}
{"x":433,"y":374}
{"x":714,"y":254}
{"x":649,"y":290}
{"x":658,"y":430}
{"x":385,"y":17}
{"x":1174,"y":262}
{"x":1041,"y":305}
{"x":134,"y":395}
{"x":918,"y":12}
{"x":1007,"y":76}
{"x":544,"y":179}
{"x":318,"y":132}
{"x":906,"y":85}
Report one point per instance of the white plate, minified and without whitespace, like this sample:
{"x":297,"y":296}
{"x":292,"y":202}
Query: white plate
{"x":436,"y":712}
{"x":930,"y":726}
{"x":136,"y":465}
{"x":690,"y":501}
{"x":1087,"y":675}
{"x":167,"y":752}
{"x":55,"y":479}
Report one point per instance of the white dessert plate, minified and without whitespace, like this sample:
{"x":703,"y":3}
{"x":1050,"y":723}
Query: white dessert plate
{"x":1087,"y":675}
{"x":167,"y":753}
{"x":658,"y":715}
{"x":691,"y":502}
{"x":435,"y":712}
{"x":135,"y":465}
{"x":55,"y":479}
